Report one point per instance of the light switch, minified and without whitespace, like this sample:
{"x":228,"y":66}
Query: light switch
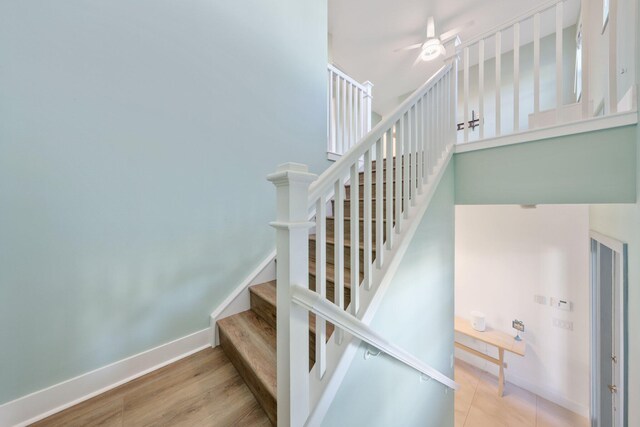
{"x":540,"y":299}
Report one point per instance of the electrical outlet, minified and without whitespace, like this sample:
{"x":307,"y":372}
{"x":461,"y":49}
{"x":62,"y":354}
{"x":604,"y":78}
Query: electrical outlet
{"x":540,"y":299}
{"x":563,"y":324}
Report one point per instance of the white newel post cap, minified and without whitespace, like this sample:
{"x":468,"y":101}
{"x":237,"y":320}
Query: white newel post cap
{"x":292,"y":182}
{"x":289,"y":172}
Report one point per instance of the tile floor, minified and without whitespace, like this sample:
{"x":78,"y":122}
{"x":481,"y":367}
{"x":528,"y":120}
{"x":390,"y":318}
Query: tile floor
{"x":477,"y":404}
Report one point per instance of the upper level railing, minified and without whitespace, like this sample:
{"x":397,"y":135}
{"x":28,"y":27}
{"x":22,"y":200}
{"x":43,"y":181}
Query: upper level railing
{"x":537,"y":71}
{"x":394,"y":167}
{"x":349,"y":112}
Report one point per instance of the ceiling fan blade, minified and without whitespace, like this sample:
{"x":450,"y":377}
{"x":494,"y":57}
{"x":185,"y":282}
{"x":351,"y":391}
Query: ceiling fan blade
{"x":448,"y":35}
{"x":412,"y":47}
{"x":431,"y":28}
{"x":417,"y":61}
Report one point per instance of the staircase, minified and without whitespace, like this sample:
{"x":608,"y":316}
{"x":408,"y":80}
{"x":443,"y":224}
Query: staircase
{"x":249,"y":338}
{"x":339,"y":237}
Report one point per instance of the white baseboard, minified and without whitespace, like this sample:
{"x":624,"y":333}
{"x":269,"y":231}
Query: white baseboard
{"x":238,"y":300}
{"x":550,"y":395}
{"x":41,"y":404}
{"x":514,"y":379}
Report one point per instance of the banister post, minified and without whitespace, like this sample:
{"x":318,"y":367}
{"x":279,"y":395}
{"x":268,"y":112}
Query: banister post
{"x":292,"y":246}
{"x":369,"y":97}
{"x":453,"y":94}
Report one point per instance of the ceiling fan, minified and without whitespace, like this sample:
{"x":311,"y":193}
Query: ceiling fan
{"x":433,"y":46}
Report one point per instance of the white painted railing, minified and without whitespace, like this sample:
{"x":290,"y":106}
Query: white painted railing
{"x":396,"y":166}
{"x":499,"y":104}
{"x":328,"y":311}
{"x":349,"y":112}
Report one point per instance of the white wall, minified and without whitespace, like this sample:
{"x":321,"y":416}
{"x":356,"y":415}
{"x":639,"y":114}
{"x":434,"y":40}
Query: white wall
{"x":504,"y":256}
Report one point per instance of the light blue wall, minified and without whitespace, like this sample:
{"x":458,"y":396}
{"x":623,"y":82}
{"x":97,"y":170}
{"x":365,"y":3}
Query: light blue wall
{"x":417,"y":315}
{"x":594,"y":167}
{"x":135,"y":137}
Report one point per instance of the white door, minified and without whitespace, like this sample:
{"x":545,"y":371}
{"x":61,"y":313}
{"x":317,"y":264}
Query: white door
{"x":608,"y":285}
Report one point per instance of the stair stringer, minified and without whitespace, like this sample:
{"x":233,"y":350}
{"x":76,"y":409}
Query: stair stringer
{"x":238,"y":300}
{"x":339,"y":356}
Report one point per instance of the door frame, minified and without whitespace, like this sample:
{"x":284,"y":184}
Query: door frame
{"x":619,"y":249}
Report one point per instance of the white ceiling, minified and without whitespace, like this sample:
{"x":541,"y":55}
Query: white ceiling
{"x":365,"y":33}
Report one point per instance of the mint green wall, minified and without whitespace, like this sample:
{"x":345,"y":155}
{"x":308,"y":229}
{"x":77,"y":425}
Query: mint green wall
{"x":135,"y":138}
{"x":622,"y":222}
{"x":416,"y":314}
{"x":552,"y":171}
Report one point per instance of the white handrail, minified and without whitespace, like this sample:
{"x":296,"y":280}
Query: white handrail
{"x":320,"y":306}
{"x":348,"y":78}
{"x":543,"y":7}
{"x":341,"y":167}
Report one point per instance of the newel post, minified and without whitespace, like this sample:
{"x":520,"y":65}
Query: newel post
{"x":292,"y":225}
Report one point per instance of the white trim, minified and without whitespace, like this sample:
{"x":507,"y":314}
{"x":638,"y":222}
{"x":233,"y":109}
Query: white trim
{"x":581,"y":126}
{"x":334,"y":157}
{"x":339,"y":357}
{"x":43,"y":403}
{"x":612,"y":243}
{"x":238,"y":300}
{"x":549,"y":395}
{"x":513,"y":378}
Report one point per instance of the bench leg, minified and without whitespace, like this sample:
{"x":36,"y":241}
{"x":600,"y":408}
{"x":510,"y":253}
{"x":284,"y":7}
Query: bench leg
{"x":501,"y":377}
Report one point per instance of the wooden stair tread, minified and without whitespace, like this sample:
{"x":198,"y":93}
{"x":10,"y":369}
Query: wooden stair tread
{"x":267,"y":291}
{"x":347,"y":242}
{"x":360,"y":221}
{"x":249,"y":338}
{"x":331,"y":274}
{"x":348,"y":218}
{"x":384,"y":182}
{"x":250,"y":343}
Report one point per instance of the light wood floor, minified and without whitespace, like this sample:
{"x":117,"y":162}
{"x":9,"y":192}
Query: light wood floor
{"x":201,"y":390}
{"x":477,"y":404}
{"x":206,"y":390}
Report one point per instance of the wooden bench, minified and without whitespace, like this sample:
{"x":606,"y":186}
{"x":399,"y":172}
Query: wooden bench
{"x":503,"y":341}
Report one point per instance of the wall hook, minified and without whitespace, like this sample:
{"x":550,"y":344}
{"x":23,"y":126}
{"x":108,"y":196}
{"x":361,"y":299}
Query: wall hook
{"x":424,"y":378}
{"x":368,"y":353}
